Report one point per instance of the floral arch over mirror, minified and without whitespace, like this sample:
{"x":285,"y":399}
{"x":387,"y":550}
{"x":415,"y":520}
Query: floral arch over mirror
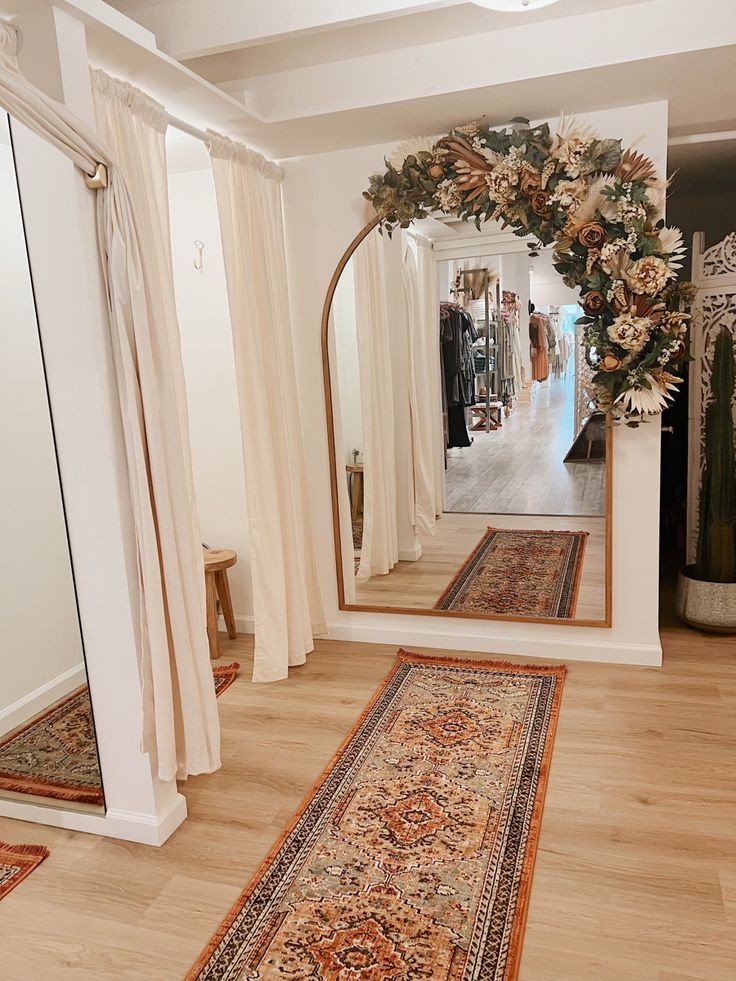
{"x":600,"y":206}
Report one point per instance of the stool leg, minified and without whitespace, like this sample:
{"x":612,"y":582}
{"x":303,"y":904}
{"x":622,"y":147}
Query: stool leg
{"x":223,"y":591}
{"x":211,"y":595}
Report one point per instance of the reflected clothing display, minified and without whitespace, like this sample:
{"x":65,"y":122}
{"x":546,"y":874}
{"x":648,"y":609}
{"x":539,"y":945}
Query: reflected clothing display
{"x":539,"y":327}
{"x":457,"y":334}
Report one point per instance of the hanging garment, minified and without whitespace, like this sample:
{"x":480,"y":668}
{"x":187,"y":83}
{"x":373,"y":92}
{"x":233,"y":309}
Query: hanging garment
{"x":538,"y":339}
{"x":457,"y":334}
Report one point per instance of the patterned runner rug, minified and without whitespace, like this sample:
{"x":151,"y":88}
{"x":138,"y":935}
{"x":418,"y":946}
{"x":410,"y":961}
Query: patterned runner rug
{"x":412,"y":856}
{"x":55,"y":754}
{"x":16,"y":862}
{"x":519,"y":573}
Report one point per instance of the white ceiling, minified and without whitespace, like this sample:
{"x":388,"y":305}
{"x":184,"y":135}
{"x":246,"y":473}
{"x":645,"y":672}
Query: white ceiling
{"x":319,"y":75}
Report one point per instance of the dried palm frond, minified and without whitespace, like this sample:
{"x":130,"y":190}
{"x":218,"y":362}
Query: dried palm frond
{"x":634,"y":166}
{"x":594,"y":200}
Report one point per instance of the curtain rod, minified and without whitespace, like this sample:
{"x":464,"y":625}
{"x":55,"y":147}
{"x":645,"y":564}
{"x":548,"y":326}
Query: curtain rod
{"x":187,"y":128}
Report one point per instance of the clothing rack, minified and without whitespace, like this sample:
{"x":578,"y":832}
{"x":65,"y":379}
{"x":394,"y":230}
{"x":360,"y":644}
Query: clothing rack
{"x":488,"y":346}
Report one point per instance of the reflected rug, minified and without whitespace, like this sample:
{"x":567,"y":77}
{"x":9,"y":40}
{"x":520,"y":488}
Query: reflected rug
{"x":412,"y":856}
{"x":16,"y":862}
{"x":519,"y":573}
{"x":55,"y":754}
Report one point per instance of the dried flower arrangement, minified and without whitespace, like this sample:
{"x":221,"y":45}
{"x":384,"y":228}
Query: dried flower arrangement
{"x":600,"y":206}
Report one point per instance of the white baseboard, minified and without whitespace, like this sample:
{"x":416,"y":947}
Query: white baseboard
{"x":410,"y":554}
{"x":556,"y":648}
{"x":145,"y":829}
{"x":36,"y":701}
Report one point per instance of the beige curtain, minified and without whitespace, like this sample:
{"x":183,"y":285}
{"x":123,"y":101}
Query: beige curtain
{"x":287,"y":603}
{"x":178,"y":679}
{"x":380,"y":548}
{"x":420,"y":289}
{"x":180,"y":732}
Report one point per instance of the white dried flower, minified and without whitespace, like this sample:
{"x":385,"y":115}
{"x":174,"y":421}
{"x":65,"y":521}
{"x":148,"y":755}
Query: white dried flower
{"x":649,"y":275}
{"x":631,"y":333}
{"x":671,"y":243}
{"x":448,"y":196}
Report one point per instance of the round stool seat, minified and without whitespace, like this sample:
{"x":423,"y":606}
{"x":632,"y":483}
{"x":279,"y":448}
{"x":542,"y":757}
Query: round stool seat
{"x":217,"y":559}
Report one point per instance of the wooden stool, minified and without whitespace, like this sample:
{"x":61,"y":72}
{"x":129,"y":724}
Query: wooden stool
{"x":216,"y":562}
{"x":355,"y":487}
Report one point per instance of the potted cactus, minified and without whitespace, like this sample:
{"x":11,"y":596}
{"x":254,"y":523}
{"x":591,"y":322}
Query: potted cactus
{"x":706,"y":591}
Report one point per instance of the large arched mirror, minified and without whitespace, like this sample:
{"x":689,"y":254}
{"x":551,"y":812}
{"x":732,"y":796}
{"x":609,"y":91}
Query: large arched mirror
{"x":471,"y":472}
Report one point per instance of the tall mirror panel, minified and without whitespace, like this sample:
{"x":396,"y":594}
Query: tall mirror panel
{"x":471,"y":473}
{"x":48,"y":751}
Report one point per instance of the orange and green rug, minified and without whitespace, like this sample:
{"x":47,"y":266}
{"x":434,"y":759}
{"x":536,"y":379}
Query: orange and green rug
{"x":412,"y":856}
{"x":519,"y":573}
{"x":55,"y":754}
{"x":16,"y":862}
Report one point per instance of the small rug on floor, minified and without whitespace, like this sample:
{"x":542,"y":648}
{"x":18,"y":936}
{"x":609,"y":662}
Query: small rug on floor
{"x":224,"y":675}
{"x":55,"y":754}
{"x":16,"y":862}
{"x":413,"y":854}
{"x":519,"y":573}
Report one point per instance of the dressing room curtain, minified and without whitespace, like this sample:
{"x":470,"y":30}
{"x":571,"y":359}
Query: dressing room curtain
{"x":425,"y":398}
{"x":181,"y":732}
{"x":287,"y":604}
{"x":177,"y":682}
{"x":380,"y":547}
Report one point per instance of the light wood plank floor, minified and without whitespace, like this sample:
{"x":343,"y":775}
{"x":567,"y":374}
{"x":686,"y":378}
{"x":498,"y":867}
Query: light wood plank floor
{"x":636,"y":871}
{"x":420,"y":584}
{"x":519,"y":468}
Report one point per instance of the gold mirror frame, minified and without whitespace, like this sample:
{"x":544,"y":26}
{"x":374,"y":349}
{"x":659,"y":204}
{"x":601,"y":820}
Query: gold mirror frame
{"x":413,"y":611}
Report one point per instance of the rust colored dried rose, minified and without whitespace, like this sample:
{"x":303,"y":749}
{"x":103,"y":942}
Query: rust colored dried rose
{"x":540,"y":204}
{"x":436,"y":171}
{"x":593,"y":303}
{"x":592,"y":235}
{"x":610,"y":362}
{"x":530,"y":183}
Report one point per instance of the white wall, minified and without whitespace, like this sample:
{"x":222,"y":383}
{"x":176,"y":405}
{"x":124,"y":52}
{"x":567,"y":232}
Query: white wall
{"x":324,"y":210}
{"x":209,"y":368}
{"x":39,"y":629}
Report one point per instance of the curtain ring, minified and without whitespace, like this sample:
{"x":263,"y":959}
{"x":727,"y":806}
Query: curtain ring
{"x":98,"y":180}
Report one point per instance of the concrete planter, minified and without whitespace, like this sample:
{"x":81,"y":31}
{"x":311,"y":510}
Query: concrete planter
{"x":706,"y":605}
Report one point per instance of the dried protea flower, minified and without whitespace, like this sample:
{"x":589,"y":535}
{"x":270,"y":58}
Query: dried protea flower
{"x":634,"y":166}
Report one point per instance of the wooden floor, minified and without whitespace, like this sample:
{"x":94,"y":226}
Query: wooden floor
{"x":636,"y":872}
{"x":420,"y":584}
{"x":520,"y":468}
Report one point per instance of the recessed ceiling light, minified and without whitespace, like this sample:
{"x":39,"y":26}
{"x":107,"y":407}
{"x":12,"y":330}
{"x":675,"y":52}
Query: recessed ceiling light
{"x":515,"y":6}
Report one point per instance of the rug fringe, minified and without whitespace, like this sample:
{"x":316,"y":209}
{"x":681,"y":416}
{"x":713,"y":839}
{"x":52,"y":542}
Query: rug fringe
{"x":34,"y":851}
{"x":523,"y":668}
{"x":40,"y":789}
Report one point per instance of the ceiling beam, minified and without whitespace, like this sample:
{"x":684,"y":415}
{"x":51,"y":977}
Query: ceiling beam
{"x":188,"y":29}
{"x":514,"y":54}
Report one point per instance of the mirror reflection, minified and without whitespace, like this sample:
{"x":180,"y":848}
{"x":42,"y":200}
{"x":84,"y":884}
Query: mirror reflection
{"x":48,"y":752}
{"x":471,"y":473}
